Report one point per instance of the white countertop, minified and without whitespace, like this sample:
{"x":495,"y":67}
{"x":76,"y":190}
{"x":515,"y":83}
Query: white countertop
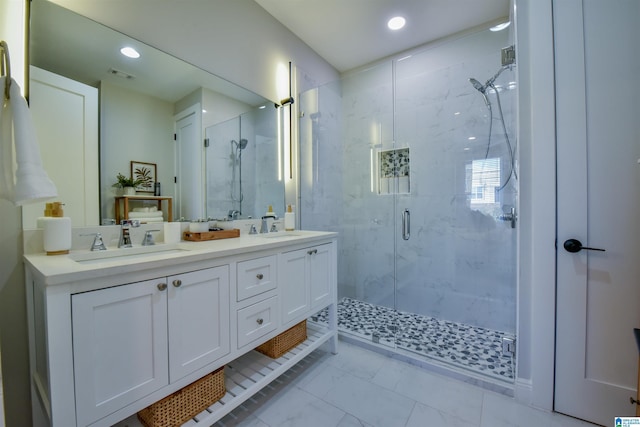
{"x":81,"y":265}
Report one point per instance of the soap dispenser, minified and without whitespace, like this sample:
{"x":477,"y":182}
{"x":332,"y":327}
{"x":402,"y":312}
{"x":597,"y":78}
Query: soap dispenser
{"x":270,"y":212}
{"x":289,"y":219}
{"x":56,"y":233}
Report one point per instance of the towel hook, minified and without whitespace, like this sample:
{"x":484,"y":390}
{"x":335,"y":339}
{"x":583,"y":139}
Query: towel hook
{"x":5,"y":67}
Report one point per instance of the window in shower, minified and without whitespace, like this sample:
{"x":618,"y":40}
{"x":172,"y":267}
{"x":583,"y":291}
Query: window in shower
{"x":482,"y":181}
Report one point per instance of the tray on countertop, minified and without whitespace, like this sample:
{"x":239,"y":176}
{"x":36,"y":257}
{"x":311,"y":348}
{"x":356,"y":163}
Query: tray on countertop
{"x":211,"y":235}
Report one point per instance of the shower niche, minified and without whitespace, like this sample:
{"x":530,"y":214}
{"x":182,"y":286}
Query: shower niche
{"x":393,"y":171}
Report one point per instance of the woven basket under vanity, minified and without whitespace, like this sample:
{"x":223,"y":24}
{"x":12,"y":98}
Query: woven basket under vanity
{"x":184,"y":404}
{"x":279,"y":345}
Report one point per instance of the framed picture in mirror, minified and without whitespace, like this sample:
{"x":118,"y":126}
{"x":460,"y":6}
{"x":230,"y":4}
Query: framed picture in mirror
{"x":146,"y":174}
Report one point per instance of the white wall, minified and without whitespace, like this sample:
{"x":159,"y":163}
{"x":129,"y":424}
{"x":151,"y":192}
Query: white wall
{"x":13,"y":325}
{"x":136,"y":127}
{"x":236,"y":40}
{"x":537,"y":203}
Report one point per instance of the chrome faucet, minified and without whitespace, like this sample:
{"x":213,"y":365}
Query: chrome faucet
{"x":233,"y":214}
{"x":125,"y":235}
{"x":263,"y":226}
{"x":98,"y":243}
{"x":148,"y":238}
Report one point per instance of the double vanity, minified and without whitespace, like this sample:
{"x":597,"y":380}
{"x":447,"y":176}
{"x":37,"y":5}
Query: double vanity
{"x":112,"y":332}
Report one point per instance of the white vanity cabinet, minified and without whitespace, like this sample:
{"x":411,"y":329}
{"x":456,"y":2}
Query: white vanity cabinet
{"x":305,"y":280}
{"x":109,"y":338}
{"x":120,"y":351}
{"x":198,"y":321}
{"x":134,"y":339}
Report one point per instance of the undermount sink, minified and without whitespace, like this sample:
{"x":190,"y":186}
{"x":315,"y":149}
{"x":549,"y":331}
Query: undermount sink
{"x":280,"y":235}
{"x":125,"y":254}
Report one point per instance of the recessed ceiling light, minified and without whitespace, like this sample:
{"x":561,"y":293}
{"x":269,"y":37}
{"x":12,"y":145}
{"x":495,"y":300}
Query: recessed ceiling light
{"x":396,"y":23}
{"x":500,"y":27}
{"x":129,"y":52}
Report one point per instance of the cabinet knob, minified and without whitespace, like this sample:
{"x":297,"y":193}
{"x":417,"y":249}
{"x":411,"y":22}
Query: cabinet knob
{"x":260,"y":276}
{"x":312,"y":252}
{"x":177,"y":283}
{"x":162,"y":286}
{"x":259,"y":320}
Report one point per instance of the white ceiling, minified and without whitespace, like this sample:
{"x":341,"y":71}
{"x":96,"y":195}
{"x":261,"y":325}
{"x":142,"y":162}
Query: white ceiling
{"x":352,"y":33}
{"x":74,"y":46}
{"x":346,"y":33}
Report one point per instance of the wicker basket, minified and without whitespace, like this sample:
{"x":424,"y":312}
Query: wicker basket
{"x":184,"y":404}
{"x":279,"y":345}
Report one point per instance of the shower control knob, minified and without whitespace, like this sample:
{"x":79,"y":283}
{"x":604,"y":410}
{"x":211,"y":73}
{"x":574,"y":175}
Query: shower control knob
{"x":575,"y":245}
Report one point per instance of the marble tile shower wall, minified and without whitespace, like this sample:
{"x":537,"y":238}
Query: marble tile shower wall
{"x":460,"y":263}
{"x":259,"y":161}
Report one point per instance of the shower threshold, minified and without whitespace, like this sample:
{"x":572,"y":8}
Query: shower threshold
{"x":474,"y":349}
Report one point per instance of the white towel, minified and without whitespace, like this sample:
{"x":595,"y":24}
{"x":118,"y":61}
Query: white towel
{"x":23,"y":180}
{"x":136,"y":215}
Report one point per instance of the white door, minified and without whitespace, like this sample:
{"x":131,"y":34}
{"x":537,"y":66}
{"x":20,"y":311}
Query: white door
{"x":65,"y":115}
{"x":320,"y":273}
{"x":198,"y":305}
{"x":293,"y":268}
{"x":119,"y":346}
{"x":598,"y":293}
{"x":189,"y":164}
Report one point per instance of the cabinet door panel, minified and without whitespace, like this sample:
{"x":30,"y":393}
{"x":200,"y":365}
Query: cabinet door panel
{"x":198,"y":319}
{"x":119,"y":347}
{"x":320,"y":273}
{"x":292,"y":275}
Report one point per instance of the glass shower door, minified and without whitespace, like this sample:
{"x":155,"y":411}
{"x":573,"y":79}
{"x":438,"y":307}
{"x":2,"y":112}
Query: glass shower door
{"x":456,"y":258}
{"x":345,"y":128}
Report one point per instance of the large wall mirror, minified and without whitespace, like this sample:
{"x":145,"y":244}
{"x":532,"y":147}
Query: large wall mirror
{"x":148,"y":108}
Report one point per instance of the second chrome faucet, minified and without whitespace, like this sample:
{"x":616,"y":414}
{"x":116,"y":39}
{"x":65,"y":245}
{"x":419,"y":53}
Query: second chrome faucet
{"x":125,"y":235}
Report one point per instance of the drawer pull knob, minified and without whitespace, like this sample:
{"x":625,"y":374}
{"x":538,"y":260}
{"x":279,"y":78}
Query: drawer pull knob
{"x":259,"y":320}
{"x":177,"y":283}
{"x":260,"y":276}
{"x":312,"y":252}
{"x":162,"y":286}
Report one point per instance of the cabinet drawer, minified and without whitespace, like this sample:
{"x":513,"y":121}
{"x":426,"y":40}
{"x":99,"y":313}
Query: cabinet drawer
{"x":256,"y":276}
{"x":257,"y":320}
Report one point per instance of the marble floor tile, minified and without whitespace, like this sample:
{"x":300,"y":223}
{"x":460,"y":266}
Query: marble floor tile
{"x":296,"y":407}
{"x":373,"y":404}
{"x":323,"y":391}
{"x":501,"y":411}
{"x":382,"y":392}
{"x":424,"y":415}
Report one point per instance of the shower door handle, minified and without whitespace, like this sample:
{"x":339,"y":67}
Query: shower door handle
{"x":406,"y":224}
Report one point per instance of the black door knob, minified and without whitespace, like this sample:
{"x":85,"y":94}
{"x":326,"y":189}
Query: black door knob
{"x":575,"y":245}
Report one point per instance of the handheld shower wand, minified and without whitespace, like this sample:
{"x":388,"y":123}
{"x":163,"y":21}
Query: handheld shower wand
{"x":482,"y":89}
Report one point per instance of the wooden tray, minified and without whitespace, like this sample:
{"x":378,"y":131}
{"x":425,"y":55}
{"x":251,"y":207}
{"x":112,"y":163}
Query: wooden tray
{"x":211,"y":235}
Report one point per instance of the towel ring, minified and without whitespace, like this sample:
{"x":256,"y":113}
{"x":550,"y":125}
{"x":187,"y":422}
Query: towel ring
{"x":5,"y":67}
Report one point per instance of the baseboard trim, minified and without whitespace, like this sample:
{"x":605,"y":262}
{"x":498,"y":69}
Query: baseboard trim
{"x":523,"y":391}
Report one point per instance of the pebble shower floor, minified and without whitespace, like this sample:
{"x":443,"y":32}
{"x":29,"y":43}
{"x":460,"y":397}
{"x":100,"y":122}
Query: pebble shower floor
{"x":472,"y":348}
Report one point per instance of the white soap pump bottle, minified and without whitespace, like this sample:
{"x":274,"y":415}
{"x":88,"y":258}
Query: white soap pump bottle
{"x":289,"y":219}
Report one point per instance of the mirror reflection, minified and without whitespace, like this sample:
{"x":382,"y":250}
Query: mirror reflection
{"x":156,"y":111}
